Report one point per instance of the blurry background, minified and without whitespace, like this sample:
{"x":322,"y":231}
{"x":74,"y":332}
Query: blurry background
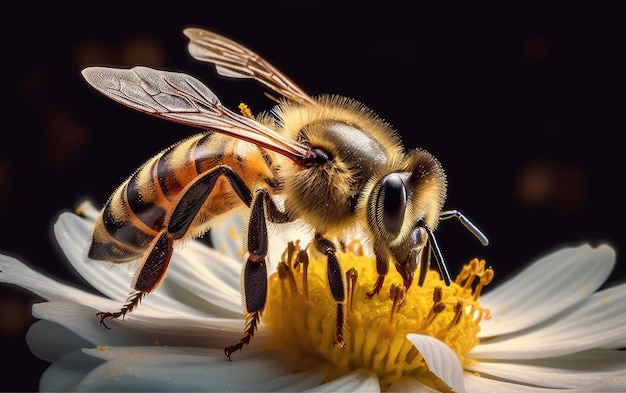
{"x":522,"y":104}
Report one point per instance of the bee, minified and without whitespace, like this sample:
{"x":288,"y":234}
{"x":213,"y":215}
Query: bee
{"x":328,"y":161}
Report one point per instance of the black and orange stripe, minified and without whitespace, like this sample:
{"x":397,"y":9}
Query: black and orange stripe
{"x":141,"y":207}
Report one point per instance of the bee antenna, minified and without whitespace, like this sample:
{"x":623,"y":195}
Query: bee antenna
{"x":434,"y":246}
{"x":467,"y":224}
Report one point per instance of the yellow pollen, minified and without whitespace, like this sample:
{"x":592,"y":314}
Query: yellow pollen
{"x":302,"y":315}
{"x":245,"y":110}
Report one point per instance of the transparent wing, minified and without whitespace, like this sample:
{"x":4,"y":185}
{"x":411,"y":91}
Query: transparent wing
{"x":236,"y":61}
{"x":184,"y":99}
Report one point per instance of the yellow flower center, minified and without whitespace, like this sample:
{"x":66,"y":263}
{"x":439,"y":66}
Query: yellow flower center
{"x":301,"y":313}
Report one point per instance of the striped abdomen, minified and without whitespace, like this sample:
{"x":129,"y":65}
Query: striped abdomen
{"x":142,"y":206}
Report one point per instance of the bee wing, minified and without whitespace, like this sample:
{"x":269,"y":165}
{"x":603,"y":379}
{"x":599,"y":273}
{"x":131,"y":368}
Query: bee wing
{"x":184,"y":99}
{"x":236,"y":61}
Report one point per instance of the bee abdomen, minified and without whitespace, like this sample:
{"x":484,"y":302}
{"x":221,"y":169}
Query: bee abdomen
{"x":105,"y":247}
{"x":125,"y":232}
{"x":139,"y":209}
{"x":148,"y":212}
{"x":117,"y":235}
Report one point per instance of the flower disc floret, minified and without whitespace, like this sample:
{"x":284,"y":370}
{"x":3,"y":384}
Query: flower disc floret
{"x":301,"y":315}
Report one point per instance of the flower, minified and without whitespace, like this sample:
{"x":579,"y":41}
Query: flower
{"x":548,"y":327}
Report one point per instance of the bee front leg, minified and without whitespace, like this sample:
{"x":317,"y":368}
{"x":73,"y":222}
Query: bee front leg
{"x":382,"y":268}
{"x":153,"y":267}
{"x":336,"y":281}
{"x":424,"y":263}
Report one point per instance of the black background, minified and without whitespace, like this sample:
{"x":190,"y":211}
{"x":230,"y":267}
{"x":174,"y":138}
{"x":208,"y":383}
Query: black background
{"x":523,"y":104}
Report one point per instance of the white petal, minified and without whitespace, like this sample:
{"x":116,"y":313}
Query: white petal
{"x":573,"y":371}
{"x":476,"y":384}
{"x":546,"y":287}
{"x":613,"y":384}
{"x":596,"y":321}
{"x":88,"y":210}
{"x":12,"y":271}
{"x":50,"y":341}
{"x":182,"y":369}
{"x":441,"y":359}
{"x":410,"y":384}
{"x":134,"y":330}
{"x":615,"y":344}
{"x":227,"y":236}
{"x":15,"y":272}
{"x":361,"y":380}
{"x":206,"y":280}
{"x":73,"y":234}
{"x":298,"y":382}
{"x":65,"y":374}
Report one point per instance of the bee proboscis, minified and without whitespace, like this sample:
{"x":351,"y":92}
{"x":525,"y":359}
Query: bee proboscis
{"x":333,"y":163}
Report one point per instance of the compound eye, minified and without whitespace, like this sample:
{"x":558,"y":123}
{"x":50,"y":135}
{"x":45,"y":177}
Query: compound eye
{"x":391,"y":199}
{"x":321,"y":156}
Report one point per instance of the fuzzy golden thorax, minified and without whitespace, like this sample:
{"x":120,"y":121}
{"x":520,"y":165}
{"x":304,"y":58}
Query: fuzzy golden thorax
{"x":359,"y":145}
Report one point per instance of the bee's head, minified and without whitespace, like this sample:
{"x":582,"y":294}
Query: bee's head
{"x":404,"y":207}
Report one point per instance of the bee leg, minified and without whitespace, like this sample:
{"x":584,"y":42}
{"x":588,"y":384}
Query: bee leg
{"x":380,"y":280}
{"x":424,"y":263}
{"x":197,"y":193}
{"x":254,"y":275}
{"x":151,"y":273}
{"x":382,"y":268}
{"x":336,"y":281}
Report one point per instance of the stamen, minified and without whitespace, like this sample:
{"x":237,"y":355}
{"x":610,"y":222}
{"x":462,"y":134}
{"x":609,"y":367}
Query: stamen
{"x":458,"y":313}
{"x":285,"y":273}
{"x":293,"y":256}
{"x":351,"y":276}
{"x":435,"y":310}
{"x":288,"y":255}
{"x":397,"y":294}
{"x":303,"y":258}
{"x":485,"y":278}
{"x":437,"y":295}
{"x":474,"y":274}
{"x":485,"y":313}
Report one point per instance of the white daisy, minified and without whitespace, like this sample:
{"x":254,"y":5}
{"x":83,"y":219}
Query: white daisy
{"x":548,"y":327}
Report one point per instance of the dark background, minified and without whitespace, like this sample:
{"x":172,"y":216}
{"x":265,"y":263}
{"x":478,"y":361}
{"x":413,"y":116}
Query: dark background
{"x":522,"y":104}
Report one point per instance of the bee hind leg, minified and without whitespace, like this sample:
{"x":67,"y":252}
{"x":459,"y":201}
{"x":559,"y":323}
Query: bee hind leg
{"x":131,"y":303}
{"x":150,"y":274}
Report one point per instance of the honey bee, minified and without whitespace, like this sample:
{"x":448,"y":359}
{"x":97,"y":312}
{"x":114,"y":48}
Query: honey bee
{"x":328,"y":161}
